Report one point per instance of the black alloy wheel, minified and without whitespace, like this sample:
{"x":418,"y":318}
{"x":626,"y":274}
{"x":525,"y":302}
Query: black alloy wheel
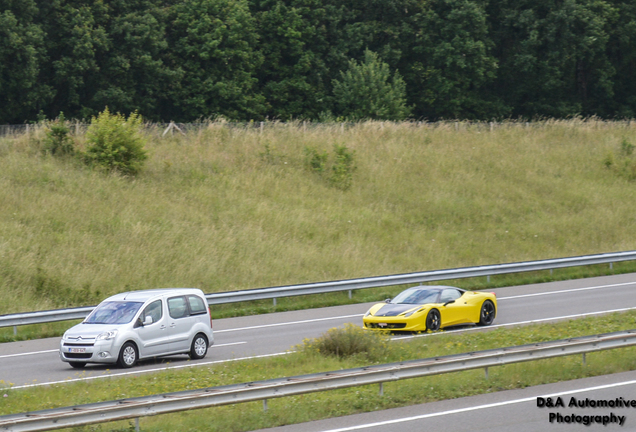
{"x":487,"y":314}
{"x":433,"y":320}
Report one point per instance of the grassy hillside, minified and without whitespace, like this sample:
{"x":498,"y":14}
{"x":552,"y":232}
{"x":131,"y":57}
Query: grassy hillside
{"x":226,"y":209}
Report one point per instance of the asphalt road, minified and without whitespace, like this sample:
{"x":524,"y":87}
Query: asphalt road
{"x":34,"y":363}
{"x":506,"y":411}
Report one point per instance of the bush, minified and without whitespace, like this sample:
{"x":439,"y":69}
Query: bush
{"x":343,"y":168}
{"x":315,"y":160}
{"x":625,"y":163}
{"x":348,"y":341}
{"x":58,"y":141}
{"x":116,"y":143}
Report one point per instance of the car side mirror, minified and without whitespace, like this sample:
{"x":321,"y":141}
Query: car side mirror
{"x":387,"y":301}
{"x":148,"y":320}
{"x":449,"y":302}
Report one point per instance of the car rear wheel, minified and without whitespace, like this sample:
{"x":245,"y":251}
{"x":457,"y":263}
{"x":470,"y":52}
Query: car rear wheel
{"x":77,"y":365}
{"x":199,"y":347}
{"x":128,"y":355}
{"x":487,"y":314}
{"x":433,"y":320}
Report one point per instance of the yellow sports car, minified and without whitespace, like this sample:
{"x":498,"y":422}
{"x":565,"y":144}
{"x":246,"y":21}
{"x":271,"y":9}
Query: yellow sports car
{"x":432,"y":308}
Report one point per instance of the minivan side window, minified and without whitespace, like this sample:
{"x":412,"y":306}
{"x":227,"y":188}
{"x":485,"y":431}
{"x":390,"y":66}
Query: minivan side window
{"x":197,"y":306}
{"x":153,"y":310}
{"x":177,"y":307}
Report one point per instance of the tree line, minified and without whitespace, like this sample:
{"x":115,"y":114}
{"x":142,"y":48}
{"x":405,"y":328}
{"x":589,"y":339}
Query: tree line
{"x":184,"y":60}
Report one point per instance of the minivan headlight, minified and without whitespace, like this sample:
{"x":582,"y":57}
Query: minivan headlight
{"x":107,"y":335}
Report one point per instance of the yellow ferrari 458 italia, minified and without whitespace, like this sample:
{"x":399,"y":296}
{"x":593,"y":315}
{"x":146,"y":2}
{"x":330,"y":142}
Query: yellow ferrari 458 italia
{"x":432,"y":308}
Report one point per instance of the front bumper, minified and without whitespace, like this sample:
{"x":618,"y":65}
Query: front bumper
{"x":102,"y":351}
{"x":393,"y":323}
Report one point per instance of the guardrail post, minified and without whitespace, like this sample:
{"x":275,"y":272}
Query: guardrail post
{"x":136,"y":424}
{"x":381,"y":389}
{"x":349,"y":294}
{"x":15,"y":330}
{"x":611,"y":266}
{"x":264,"y":404}
{"x":584,"y":360}
{"x":486,"y":371}
{"x":274,"y":301}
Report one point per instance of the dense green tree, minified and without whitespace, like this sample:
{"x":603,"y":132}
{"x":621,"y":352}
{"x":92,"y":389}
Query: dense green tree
{"x":133,"y":75}
{"x":368,"y":90}
{"x":621,"y":49}
{"x":21,"y":56}
{"x":300,"y":41}
{"x":75,"y":40}
{"x":552,"y":56}
{"x":213,"y":45}
{"x":447,"y":61}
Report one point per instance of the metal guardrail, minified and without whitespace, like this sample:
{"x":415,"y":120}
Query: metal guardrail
{"x":262,"y":390}
{"x":345,"y":285}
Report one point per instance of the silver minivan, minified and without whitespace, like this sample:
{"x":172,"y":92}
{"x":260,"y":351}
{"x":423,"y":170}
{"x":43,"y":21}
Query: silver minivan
{"x":136,"y":325}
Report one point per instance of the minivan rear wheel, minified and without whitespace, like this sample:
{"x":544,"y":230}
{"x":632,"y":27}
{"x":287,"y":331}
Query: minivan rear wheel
{"x":199,"y":347}
{"x":128,"y":355}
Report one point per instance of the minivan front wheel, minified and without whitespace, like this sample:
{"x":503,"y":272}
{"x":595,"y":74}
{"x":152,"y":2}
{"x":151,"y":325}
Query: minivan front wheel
{"x":199,"y":347}
{"x":128,"y":355}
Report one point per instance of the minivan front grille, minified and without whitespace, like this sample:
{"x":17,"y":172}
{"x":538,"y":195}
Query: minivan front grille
{"x":78,"y":355}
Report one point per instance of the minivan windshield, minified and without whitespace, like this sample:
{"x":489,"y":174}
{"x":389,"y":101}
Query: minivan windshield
{"x":113,"y":312}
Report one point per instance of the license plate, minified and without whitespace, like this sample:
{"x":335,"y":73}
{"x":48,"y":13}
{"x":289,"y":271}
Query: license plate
{"x":382,"y":324}
{"x":77,"y":350}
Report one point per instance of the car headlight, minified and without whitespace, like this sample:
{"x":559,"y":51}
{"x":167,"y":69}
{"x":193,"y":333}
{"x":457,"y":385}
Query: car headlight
{"x":107,"y":335}
{"x":408,"y":314}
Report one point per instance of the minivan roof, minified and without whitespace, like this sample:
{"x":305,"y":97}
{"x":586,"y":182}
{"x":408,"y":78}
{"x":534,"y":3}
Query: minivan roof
{"x":143,"y":295}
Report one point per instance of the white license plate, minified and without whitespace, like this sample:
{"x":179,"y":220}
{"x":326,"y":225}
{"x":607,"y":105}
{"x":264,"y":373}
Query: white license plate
{"x":77,"y":350}
{"x":382,"y":324}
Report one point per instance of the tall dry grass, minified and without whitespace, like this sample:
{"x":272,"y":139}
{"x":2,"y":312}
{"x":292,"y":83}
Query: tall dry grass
{"x":225,"y":208}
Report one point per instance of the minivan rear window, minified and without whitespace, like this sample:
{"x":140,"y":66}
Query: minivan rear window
{"x":197,"y":306}
{"x":177,"y":307}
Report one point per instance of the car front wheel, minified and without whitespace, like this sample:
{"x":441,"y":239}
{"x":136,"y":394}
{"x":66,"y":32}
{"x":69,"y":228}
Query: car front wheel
{"x":199,"y":347}
{"x":128,"y":355}
{"x":487,"y":314}
{"x":433,"y":320}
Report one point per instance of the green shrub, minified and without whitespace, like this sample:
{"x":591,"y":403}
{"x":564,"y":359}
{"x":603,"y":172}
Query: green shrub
{"x":58,"y":141}
{"x":625,"y":163}
{"x":315,"y":160}
{"x":116,"y":143}
{"x":343,"y":168}
{"x":348,"y":341}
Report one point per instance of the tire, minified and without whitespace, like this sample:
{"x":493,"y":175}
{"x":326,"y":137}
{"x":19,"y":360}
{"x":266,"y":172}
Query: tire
{"x":77,"y":365}
{"x":128,"y":355}
{"x":433,"y":320}
{"x":487,"y":313}
{"x":199,"y":347}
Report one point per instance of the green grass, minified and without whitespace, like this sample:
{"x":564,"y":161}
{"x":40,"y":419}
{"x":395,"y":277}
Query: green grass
{"x":287,"y":410}
{"x":226,"y":209}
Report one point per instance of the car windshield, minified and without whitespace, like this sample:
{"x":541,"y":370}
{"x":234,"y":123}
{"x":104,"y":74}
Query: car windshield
{"x":113,"y":312}
{"x":416,"y":296}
